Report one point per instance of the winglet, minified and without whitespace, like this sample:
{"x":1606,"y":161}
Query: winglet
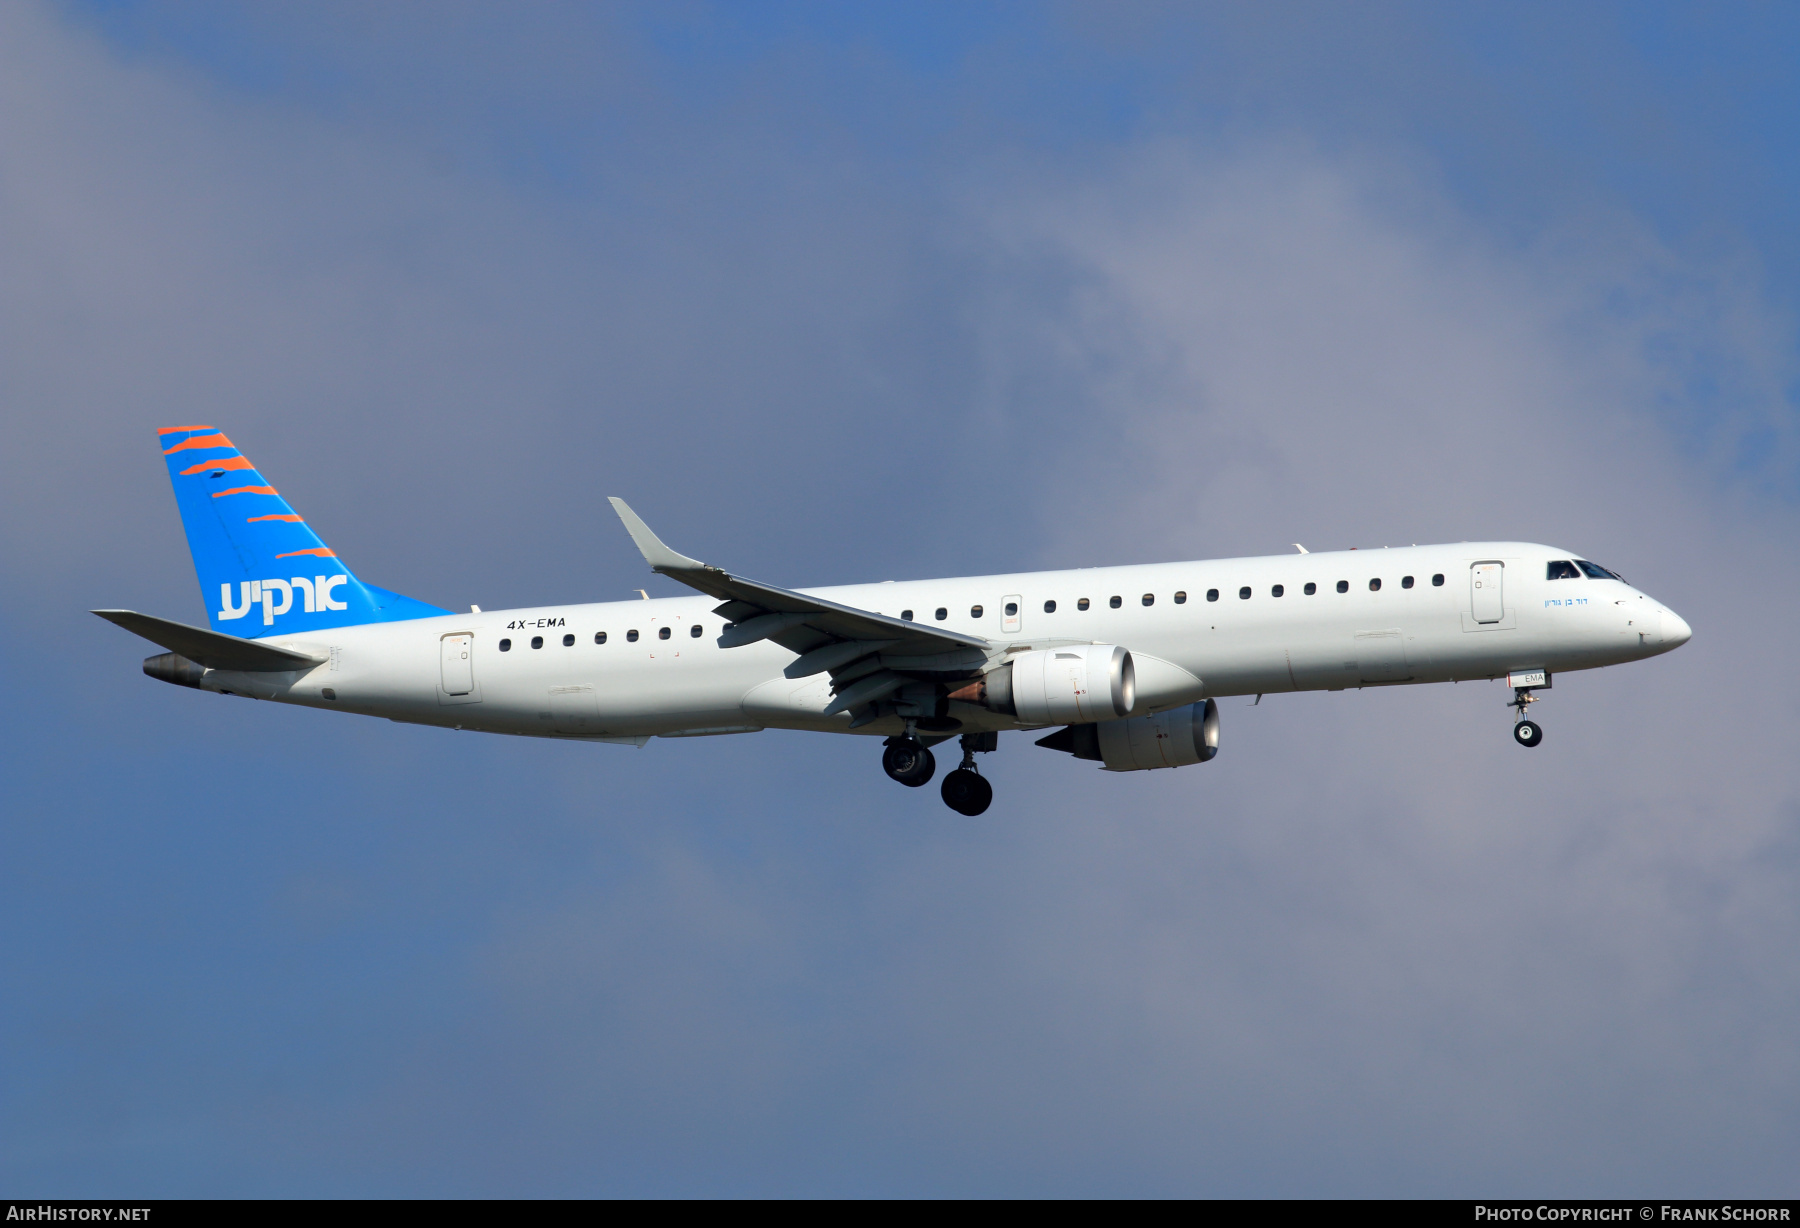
{"x":659,"y":556}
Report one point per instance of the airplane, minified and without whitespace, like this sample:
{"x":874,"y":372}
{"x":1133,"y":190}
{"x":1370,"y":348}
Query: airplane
{"x":1123,"y":665}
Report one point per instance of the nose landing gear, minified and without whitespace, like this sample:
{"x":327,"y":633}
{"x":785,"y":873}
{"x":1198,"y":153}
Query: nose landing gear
{"x":1526,"y":732}
{"x":964,"y":790}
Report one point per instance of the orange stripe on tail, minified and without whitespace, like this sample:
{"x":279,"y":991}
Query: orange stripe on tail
{"x":226,"y":462}
{"x":170,"y":430}
{"x":215,"y":440}
{"x":244,"y":490}
{"x":323,"y":552}
{"x":273,"y":516}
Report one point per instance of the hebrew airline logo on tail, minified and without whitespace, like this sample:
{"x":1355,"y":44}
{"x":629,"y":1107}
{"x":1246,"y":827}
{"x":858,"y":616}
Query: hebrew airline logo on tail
{"x":247,"y":543}
{"x":277,"y":597}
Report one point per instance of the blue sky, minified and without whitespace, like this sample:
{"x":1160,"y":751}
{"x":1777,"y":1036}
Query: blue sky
{"x":837,"y":294}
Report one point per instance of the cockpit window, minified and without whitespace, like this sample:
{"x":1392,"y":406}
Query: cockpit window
{"x":1561,"y":569}
{"x":1596,"y":572}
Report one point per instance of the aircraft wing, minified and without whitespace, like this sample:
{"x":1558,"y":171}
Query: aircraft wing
{"x":210,"y":648}
{"x":828,"y":636}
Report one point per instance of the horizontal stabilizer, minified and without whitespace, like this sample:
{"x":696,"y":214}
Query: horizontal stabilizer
{"x":210,"y":648}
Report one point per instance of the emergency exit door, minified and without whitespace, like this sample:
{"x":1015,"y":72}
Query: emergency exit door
{"x":1487,"y":592}
{"x":458,"y":669}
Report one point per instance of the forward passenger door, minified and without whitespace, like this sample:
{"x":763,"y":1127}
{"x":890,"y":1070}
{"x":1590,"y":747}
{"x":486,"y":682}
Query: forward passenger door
{"x":1487,"y":592}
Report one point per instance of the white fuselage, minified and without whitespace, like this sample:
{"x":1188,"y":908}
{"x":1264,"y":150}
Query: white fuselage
{"x":634,"y":687}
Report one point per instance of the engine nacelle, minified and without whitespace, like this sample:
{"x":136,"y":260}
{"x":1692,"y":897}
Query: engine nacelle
{"x":173,"y":667}
{"x":1141,"y":743}
{"x":1060,"y":686}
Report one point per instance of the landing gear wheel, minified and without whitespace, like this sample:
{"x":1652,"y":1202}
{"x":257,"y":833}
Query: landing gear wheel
{"x":908,"y":762}
{"x":1528,"y":733}
{"x":967,"y":793}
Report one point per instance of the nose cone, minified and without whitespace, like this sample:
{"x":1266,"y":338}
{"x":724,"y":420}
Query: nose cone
{"x":1675,"y":631}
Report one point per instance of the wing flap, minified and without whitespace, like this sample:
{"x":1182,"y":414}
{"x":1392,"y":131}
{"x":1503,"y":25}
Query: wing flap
{"x":833,"y":656}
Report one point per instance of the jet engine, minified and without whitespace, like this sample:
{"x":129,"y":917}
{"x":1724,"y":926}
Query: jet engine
{"x":173,"y":667}
{"x":1059,"y":686}
{"x":1169,"y":739}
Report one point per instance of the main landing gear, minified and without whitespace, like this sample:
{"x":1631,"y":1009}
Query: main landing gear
{"x":908,"y":761}
{"x":964,"y":790}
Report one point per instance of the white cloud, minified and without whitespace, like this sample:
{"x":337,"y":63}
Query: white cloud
{"x":1374,"y":909}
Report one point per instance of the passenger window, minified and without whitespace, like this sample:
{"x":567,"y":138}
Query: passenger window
{"x":1082,"y":604}
{"x":1278,"y":590}
{"x":631,"y":635}
{"x":662,"y":633}
{"x":1437,"y":581}
{"x":1212,"y":594}
{"x":1244,"y":593}
{"x":1115,"y":602}
{"x":1596,"y":572}
{"x":1310,"y":588}
{"x":906,"y":616}
{"x":537,"y":641}
{"x":1405,"y":581}
{"x":1375,"y":586}
{"x":1561,"y":569}
{"x":568,"y":641}
{"x":695,"y":631}
{"x":1012,"y":609}
{"x":1049,"y":607}
{"x":1149,"y":598}
{"x":599,"y":637}
{"x":1181,"y":598}
{"x":1343,"y":586}
{"x":942,"y":614}
{"x":974,"y":611}
{"x":505,"y":645}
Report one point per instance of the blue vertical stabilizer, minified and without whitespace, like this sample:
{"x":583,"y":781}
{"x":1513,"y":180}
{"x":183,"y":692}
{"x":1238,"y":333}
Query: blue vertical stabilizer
{"x":262,"y":570}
